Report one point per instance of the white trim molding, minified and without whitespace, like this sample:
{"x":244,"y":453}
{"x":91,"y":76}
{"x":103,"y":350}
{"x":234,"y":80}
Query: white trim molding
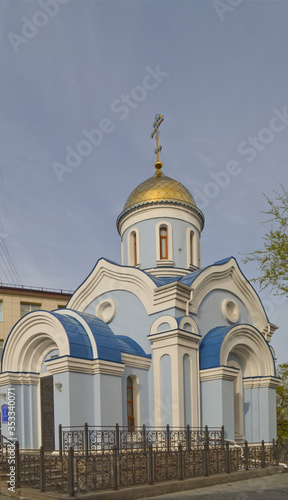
{"x":228,"y":277}
{"x":222,"y":372}
{"x":15,"y":378}
{"x":136,"y":361}
{"x":161,"y":211}
{"x":69,"y":364}
{"x":252,"y":382}
{"x":252,"y":350}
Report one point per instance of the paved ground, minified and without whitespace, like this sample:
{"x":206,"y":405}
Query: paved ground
{"x":264,"y":488}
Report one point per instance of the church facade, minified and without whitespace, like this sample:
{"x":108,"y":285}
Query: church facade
{"x":155,"y":340}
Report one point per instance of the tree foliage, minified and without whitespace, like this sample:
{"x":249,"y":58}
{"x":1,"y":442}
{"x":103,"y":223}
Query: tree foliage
{"x":282,"y":402}
{"x":272,"y":260}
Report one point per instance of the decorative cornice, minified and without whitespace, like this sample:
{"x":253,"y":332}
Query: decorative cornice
{"x":269,"y":330}
{"x":174,"y":337}
{"x":78,"y":365}
{"x":222,"y":372}
{"x":8,"y":378}
{"x":174,"y":294}
{"x":136,"y":361}
{"x":155,"y":209}
{"x":167,"y":271}
{"x":254,"y":382}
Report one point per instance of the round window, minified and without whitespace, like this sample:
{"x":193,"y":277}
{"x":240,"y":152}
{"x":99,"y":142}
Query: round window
{"x":106,"y":310}
{"x":230,"y":310}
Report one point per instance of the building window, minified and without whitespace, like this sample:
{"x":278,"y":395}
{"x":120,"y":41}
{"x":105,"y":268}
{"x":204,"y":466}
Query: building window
{"x":133,"y":248}
{"x":191,"y":246}
{"x":1,"y":347}
{"x":26,"y":307}
{"x":130,"y":404}
{"x":1,"y":311}
{"x":134,"y":245}
{"x":163,"y":242}
{"x":60,"y":306}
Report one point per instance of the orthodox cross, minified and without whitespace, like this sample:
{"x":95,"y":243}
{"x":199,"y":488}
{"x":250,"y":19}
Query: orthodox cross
{"x":158,"y":120}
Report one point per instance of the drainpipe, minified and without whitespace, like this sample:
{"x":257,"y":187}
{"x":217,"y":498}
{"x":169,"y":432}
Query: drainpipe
{"x":189,"y":302}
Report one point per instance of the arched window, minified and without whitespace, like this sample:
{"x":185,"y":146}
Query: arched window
{"x":133,"y":250}
{"x":130,"y":404}
{"x":163,"y":242}
{"x":191,"y":246}
{"x":134,"y":243}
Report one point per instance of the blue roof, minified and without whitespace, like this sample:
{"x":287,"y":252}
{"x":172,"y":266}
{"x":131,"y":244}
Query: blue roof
{"x":210,"y":347}
{"x":129,"y":346}
{"x":188,"y":278}
{"x":80,"y":345}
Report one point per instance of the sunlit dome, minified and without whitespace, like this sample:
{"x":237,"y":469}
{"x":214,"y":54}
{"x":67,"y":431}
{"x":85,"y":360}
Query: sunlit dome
{"x":159,"y":189}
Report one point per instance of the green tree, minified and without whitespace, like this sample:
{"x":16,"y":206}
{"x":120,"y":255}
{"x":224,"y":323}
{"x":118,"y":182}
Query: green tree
{"x":282,"y":402}
{"x":272,"y":260}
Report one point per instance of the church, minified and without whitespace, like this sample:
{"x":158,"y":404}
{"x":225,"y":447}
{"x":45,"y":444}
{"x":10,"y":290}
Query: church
{"x":155,"y":340}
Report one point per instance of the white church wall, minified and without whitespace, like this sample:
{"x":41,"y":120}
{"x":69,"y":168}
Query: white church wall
{"x":74,"y":403}
{"x":26,"y":415}
{"x":217,"y":405}
{"x":187,"y":389}
{"x":251,"y":414}
{"x":260,"y":414}
{"x":210,"y":313}
{"x":131,"y":318}
{"x":165,"y":408}
{"x":147,"y":239}
{"x":108,"y":400}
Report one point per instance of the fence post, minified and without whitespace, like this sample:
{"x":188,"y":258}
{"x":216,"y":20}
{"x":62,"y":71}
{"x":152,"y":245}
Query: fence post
{"x":180,"y":462}
{"x":188,"y":438}
{"x":206,"y":458}
{"x":206,"y":436}
{"x":168,"y":437}
{"x":246,"y":456}
{"x":86,"y":439}
{"x":114,"y":465}
{"x":60,"y":439}
{"x":71,"y":471}
{"x":144,"y":438}
{"x":17,"y":466}
{"x":222,"y":437}
{"x":117,"y":436}
{"x":227,"y":458}
{"x":150,"y":464}
{"x":42,"y":469}
{"x":263,"y":454}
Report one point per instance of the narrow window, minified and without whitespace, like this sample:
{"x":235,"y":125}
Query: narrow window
{"x":163,"y":242}
{"x":191,"y":246}
{"x":130,"y":408}
{"x":134,"y":248}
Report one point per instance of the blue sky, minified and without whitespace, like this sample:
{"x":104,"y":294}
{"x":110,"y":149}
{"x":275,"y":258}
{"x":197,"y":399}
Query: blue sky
{"x":69,"y":66}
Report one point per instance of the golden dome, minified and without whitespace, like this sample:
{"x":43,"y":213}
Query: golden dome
{"x":158,"y":189}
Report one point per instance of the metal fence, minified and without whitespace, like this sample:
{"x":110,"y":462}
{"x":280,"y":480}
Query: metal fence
{"x":84,"y":470}
{"x":140,"y":438}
